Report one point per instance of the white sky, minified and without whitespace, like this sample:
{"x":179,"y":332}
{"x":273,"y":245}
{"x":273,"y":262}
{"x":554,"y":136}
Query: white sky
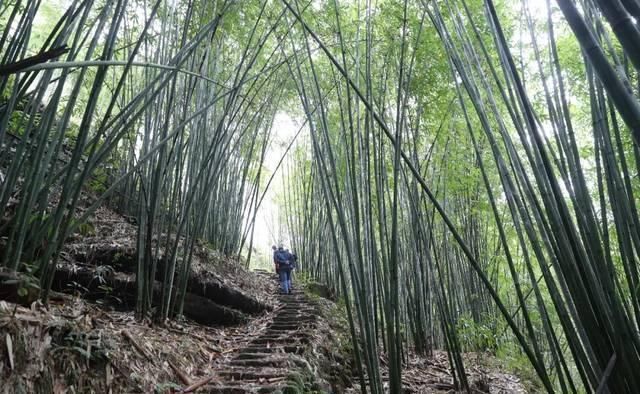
{"x":267,"y":227}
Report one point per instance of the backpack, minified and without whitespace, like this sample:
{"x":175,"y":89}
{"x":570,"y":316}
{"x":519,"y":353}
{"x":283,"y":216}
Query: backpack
{"x":282,"y":258}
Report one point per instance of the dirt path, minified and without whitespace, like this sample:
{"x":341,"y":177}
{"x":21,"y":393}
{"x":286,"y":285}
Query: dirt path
{"x":275,"y":360}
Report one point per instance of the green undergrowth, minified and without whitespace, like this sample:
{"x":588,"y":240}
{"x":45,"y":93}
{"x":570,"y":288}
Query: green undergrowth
{"x":505,"y":354}
{"x":510,"y":358}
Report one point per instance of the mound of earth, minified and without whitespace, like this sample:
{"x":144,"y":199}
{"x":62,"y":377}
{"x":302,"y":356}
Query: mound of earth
{"x":99,"y":263}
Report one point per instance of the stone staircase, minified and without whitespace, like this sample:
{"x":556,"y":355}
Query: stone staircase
{"x":274,"y":362}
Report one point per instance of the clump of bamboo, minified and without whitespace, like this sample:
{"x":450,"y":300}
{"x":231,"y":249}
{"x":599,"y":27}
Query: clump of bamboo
{"x":166,"y":117}
{"x":563,"y":239}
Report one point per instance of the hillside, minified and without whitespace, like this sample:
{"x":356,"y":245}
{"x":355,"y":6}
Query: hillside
{"x":243,"y":337}
{"x":459,"y":178}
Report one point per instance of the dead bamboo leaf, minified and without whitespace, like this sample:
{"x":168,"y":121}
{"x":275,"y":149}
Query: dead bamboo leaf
{"x":181,"y":375}
{"x":199,"y":384}
{"x":108,"y":375}
{"x":10,"y":350}
{"x":136,"y":345}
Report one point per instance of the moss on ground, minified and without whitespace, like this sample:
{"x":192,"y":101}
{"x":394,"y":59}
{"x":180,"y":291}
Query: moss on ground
{"x":335,"y":363}
{"x":320,"y":290}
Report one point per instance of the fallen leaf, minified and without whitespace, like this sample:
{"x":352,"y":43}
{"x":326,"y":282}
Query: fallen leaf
{"x":109,"y":376}
{"x":10,"y":350}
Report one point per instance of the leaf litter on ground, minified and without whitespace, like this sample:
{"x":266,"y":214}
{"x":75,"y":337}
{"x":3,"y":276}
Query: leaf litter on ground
{"x":78,"y":344}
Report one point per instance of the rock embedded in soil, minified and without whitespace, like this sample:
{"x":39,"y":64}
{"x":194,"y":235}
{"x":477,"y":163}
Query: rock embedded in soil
{"x":120,"y":290}
{"x":122,"y":258}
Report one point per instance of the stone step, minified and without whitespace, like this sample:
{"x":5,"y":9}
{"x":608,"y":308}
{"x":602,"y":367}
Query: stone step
{"x":253,"y":356}
{"x":264,"y":363}
{"x":295,"y":315}
{"x":256,"y":348}
{"x":277,"y":334}
{"x":296,"y":312}
{"x":288,"y":361}
{"x":281,"y":341}
{"x":268,"y":340}
{"x":272,"y":337}
{"x":237,"y":389}
{"x":225,"y":390}
{"x":297,"y":309}
{"x":294,"y":320}
{"x":292,"y":308}
{"x":287,"y":328}
{"x":241,"y":388}
{"x":253,"y":373}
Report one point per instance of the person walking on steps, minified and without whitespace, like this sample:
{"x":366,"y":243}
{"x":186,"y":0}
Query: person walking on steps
{"x":283,"y":266}
{"x":294,"y":265}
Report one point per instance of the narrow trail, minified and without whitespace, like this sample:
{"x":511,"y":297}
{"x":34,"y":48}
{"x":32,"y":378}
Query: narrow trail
{"x":274,"y":362}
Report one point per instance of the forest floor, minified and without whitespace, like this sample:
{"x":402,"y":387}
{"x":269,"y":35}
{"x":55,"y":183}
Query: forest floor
{"x":245,"y":337}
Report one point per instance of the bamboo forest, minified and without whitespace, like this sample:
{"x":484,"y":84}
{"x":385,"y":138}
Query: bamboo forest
{"x":320,"y":196}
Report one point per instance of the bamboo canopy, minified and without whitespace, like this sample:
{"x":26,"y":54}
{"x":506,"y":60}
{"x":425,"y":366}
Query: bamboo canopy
{"x":464,"y":174}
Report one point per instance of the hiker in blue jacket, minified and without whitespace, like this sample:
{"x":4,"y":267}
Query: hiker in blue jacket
{"x":283,"y":266}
